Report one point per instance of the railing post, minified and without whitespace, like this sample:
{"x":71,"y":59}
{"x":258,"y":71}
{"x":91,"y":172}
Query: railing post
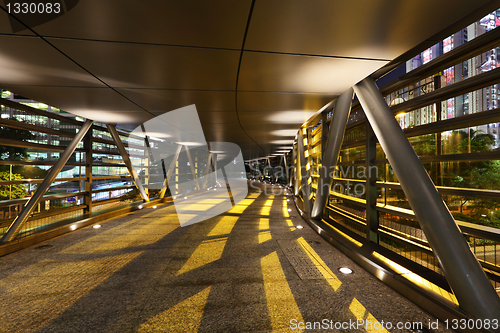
{"x":461,"y":268}
{"x":45,"y":185}
{"x":126,"y":160}
{"x":332,"y":151}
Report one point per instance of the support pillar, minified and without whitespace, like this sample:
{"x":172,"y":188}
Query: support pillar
{"x":332,"y":151}
{"x":26,"y":211}
{"x":461,"y":268}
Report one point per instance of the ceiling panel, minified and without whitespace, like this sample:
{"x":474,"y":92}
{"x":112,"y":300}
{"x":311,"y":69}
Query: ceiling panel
{"x":290,"y":73}
{"x":267,"y":101}
{"x":162,"y":100}
{"x":381,"y":29}
{"x":217,"y":23}
{"x":223,"y":117}
{"x":151,"y":66}
{"x":31,"y":61}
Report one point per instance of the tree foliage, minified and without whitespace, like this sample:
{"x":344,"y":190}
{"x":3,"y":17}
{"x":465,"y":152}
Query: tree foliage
{"x":18,"y":190}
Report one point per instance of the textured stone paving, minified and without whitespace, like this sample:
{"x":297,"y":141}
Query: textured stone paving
{"x":249,"y":269}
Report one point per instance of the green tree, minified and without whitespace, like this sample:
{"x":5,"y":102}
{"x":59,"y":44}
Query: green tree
{"x":18,"y":190}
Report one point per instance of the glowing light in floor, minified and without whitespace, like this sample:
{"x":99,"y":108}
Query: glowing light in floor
{"x":345,"y":270}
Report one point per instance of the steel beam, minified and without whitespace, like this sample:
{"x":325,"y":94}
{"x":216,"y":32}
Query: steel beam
{"x":126,"y":160}
{"x":461,"y":268}
{"x":304,"y":174}
{"x":26,"y":211}
{"x":332,"y":151}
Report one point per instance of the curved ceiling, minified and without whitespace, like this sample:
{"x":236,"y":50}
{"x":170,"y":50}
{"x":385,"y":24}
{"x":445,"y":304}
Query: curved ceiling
{"x":256,"y":70}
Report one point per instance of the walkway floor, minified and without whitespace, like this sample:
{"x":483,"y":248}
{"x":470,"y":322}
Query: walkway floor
{"x":250,"y":269}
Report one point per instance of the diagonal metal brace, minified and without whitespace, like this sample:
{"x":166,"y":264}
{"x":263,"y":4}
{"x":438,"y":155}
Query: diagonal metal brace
{"x":126,"y":160}
{"x":26,"y":211}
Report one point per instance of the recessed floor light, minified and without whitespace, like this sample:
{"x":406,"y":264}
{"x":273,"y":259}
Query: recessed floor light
{"x":185,"y":197}
{"x":345,"y":270}
{"x":154,"y":207}
{"x":73,"y":227}
{"x":96,"y":226}
{"x":299,"y":227}
{"x":289,"y":209}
